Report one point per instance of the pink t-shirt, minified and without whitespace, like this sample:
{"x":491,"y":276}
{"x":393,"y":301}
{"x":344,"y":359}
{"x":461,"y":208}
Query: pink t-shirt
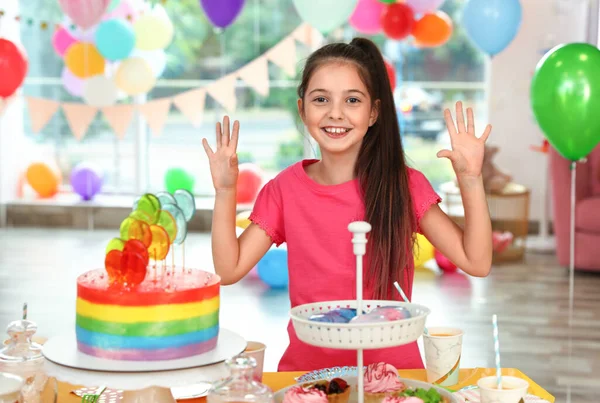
{"x":313,"y":220}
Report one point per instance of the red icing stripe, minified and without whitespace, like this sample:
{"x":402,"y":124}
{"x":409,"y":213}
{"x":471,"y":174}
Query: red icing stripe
{"x":175,"y":288}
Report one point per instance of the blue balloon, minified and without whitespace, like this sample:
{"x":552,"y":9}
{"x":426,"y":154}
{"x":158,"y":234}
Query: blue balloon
{"x":492,"y":24}
{"x":273,"y":268}
{"x":115,"y":39}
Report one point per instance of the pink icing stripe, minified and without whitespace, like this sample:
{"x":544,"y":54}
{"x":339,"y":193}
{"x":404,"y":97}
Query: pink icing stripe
{"x":150,"y":355}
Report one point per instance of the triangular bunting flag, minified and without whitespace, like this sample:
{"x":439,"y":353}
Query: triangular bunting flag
{"x":156,"y":113}
{"x":256,"y":75}
{"x":79,"y":117}
{"x":223,"y":91}
{"x":284,"y":55}
{"x":308,"y":35}
{"x":40,"y":112}
{"x":191,"y":104}
{"x":119,"y":118}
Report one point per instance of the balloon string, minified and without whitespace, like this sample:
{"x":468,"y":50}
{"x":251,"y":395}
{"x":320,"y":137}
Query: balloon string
{"x":183,"y":253}
{"x":571,"y":272}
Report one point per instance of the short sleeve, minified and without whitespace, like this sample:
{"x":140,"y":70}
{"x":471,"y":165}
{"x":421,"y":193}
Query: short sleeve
{"x":268,"y":212}
{"x":422,"y":193}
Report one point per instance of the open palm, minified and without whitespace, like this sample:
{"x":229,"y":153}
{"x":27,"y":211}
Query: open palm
{"x":224,"y":162}
{"x":467,"y":150}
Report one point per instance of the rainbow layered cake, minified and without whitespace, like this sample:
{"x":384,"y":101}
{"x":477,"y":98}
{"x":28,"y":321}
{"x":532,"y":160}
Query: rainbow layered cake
{"x":171,"y":314}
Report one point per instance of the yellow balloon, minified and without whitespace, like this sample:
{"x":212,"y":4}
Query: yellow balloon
{"x":84,"y":60}
{"x":423,"y":251}
{"x":242,"y":220}
{"x":134,"y":76}
{"x":154,"y":30}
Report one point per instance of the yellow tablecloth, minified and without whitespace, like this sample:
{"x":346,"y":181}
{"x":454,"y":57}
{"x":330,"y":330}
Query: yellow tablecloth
{"x":279,"y":380}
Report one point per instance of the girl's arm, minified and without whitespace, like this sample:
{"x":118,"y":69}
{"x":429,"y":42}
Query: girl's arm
{"x":233,"y":258}
{"x":471,"y":249}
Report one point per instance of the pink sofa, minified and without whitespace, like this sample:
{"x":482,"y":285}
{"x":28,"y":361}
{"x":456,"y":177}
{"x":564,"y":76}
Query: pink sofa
{"x":587,"y":209}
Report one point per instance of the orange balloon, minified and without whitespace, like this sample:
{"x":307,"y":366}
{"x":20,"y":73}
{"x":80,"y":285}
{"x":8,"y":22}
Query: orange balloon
{"x":84,"y":60}
{"x":159,"y":248}
{"x":433,"y":29}
{"x":43,"y":179}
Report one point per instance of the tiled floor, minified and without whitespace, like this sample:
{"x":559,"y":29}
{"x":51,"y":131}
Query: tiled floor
{"x":531,"y":299}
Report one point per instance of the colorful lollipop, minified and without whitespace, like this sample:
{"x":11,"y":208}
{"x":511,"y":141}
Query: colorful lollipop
{"x":186,"y":202}
{"x":159,"y":248}
{"x":150,"y":205}
{"x":166,"y":220}
{"x":115,"y":244}
{"x":179,"y":217}
{"x":136,"y":229}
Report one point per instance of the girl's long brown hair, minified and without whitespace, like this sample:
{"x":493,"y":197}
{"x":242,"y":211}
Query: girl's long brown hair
{"x":380,"y":168}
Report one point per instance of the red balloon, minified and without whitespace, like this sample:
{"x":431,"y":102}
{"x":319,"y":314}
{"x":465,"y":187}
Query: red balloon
{"x":13,"y":68}
{"x":397,"y":21}
{"x":444,"y":263}
{"x":135,"y":246}
{"x":391,"y":74}
{"x":248,"y":184}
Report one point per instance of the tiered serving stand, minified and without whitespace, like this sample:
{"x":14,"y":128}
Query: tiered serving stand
{"x":358,"y":336}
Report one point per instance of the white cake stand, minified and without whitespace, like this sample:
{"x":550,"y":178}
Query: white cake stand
{"x":358,"y":336}
{"x":141,"y":381}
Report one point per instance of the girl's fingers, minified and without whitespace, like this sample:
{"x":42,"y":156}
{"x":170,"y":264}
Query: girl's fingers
{"x":460,"y":118}
{"x":225,"y":137}
{"x":219,"y":134}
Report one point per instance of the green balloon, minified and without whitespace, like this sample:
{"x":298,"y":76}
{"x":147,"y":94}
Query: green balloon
{"x":565,"y":97}
{"x":177,"y":178}
{"x":388,"y":1}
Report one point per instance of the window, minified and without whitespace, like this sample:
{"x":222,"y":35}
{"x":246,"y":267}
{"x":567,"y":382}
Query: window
{"x":271,"y":133}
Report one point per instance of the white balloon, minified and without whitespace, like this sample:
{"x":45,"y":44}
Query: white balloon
{"x":100,"y":91}
{"x":156,"y":59}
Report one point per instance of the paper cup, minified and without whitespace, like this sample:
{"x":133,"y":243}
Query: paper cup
{"x":10,"y":388}
{"x":513,"y":389}
{"x":443,"y":347}
{"x":256,"y":350}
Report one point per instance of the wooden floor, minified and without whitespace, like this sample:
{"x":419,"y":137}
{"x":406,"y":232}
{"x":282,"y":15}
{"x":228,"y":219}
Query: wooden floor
{"x":530,"y":298}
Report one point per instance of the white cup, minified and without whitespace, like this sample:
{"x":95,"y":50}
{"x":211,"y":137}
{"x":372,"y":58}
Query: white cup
{"x":443,"y":347}
{"x":513,"y":389}
{"x":10,"y":388}
{"x":256,"y":350}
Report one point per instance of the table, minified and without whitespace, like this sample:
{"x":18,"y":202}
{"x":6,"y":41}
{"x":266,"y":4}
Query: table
{"x":278,"y":380}
{"x":509,"y":212}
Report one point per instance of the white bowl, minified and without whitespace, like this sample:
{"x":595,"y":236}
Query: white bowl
{"x":352,"y":336}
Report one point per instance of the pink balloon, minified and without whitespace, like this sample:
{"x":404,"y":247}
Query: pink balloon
{"x":367,"y":16}
{"x":73,"y":84}
{"x":123,"y":11}
{"x":444,"y":263}
{"x":61,"y":40}
{"x":424,"y":6}
{"x":85,"y":13}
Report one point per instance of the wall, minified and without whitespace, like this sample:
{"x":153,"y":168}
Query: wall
{"x":546,"y":23}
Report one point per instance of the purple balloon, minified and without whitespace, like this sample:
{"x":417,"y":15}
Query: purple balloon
{"x":222,"y":13}
{"x":424,"y":6}
{"x":86,"y":181}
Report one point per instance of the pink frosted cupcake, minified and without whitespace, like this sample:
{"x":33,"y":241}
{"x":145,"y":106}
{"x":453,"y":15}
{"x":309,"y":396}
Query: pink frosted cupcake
{"x":408,"y":399}
{"x":298,"y":394}
{"x":381,"y":381}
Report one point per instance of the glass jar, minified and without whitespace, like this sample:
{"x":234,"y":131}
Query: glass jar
{"x":23,"y":357}
{"x":240,"y":387}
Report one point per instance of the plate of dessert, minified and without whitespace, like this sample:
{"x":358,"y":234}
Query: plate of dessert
{"x":381,"y":385}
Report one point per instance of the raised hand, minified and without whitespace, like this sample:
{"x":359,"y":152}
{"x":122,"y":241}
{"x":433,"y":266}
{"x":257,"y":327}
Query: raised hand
{"x":224,"y":161}
{"x":467,"y":150}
